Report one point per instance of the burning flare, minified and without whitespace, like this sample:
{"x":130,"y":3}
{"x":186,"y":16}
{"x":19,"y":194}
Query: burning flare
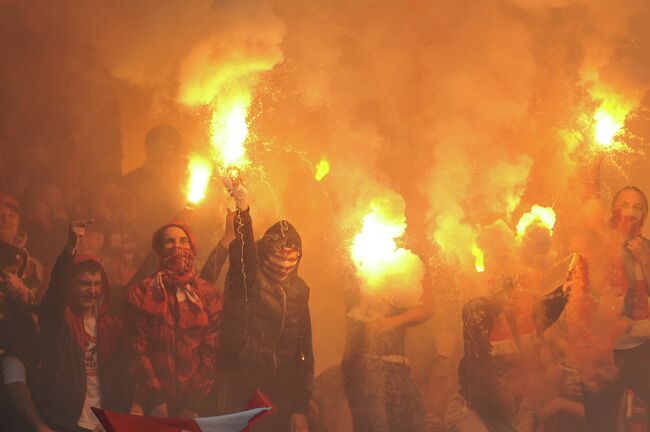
{"x":322,"y":169}
{"x":538,"y":215}
{"x":479,"y":258}
{"x":609,"y":118}
{"x":229,"y":131}
{"x":200,"y":171}
{"x":385,"y":268}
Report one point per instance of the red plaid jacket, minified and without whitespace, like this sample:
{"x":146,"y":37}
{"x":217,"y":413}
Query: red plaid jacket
{"x":173,"y":339}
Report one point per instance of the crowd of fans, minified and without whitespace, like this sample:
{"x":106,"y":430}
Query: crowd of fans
{"x":112,"y":312}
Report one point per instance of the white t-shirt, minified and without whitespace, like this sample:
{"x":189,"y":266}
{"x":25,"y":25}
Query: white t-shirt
{"x":13,"y":370}
{"x":93,"y":393}
{"x":639,"y":332}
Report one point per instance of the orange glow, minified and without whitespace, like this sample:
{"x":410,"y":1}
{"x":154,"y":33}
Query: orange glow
{"x":200,"y":172}
{"x":538,"y":215}
{"x":229,"y":131}
{"x":479,"y":258}
{"x":322,"y":169}
{"x":609,"y":118}
{"x":384,"y":267}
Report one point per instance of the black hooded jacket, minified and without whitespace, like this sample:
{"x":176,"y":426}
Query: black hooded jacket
{"x":63,"y":366}
{"x":266,"y":333}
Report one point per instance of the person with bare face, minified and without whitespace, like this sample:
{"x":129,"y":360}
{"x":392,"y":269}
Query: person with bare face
{"x":174,"y":325}
{"x":629,"y":280}
{"x":266,"y":338}
{"x":82,"y":354}
{"x":10,"y":232}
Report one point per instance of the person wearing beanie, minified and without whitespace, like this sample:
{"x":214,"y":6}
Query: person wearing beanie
{"x":82,"y":350}
{"x":174,"y":324}
{"x":266,"y":337}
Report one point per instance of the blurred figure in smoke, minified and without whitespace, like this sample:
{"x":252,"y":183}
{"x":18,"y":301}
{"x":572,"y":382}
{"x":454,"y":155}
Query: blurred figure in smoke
{"x":266,"y":322}
{"x":175,"y":319}
{"x":45,"y":219}
{"x":376,"y":374}
{"x":499,"y":333}
{"x":10,"y":220}
{"x":629,"y":281}
{"x":82,"y":349}
{"x":18,"y":346}
{"x":155,"y":185}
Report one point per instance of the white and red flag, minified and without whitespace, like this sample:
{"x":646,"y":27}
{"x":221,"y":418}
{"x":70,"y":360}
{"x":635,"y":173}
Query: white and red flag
{"x":258,"y":407}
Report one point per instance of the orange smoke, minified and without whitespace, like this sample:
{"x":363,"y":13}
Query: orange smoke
{"x":540,"y":216}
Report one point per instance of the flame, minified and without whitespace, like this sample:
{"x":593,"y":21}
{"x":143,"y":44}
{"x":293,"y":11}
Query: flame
{"x":609,"y":118}
{"x":606,"y":128}
{"x":384,"y":267}
{"x":538,"y":215}
{"x":479,"y":258}
{"x":229,"y":131}
{"x":322,"y":169}
{"x":200,"y":171}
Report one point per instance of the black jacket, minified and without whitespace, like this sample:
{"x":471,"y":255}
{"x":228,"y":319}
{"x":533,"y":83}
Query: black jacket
{"x":266,"y":334}
{"x":62,"y":358}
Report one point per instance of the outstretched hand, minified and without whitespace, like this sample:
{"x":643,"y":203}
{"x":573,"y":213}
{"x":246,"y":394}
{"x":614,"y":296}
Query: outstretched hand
{"x":77,"y":230}
{"x":238,"y":192}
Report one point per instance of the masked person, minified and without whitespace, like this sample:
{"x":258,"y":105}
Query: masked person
{"x":174,"y":317}
{"x":82,"y":350}
{"x":629,"y":279}
{"x":266,"y":338}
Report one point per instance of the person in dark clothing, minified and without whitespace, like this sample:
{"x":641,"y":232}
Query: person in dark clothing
{"x":376,"y":375}
{"x":219,"y":255}
{"x":266,"y":342}
{"x":497,"y":331}
{"x":175,"y":319}
{"x":18,"y":346}
{"x":83,"y":356}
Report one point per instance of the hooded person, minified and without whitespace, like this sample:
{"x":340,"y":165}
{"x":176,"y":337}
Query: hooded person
{"x":174,"y":318}
{"x":266,"y":338}
{"x":81,"y":344}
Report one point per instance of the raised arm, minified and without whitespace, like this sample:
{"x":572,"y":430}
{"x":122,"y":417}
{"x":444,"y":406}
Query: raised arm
{"x":242,"y":252}
{"x":212,"y":267}
{"x":54,"y":301}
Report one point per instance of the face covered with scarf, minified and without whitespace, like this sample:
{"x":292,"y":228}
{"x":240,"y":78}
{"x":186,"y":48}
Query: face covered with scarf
{"x":175,"y":248}
{"x":280,"y":250}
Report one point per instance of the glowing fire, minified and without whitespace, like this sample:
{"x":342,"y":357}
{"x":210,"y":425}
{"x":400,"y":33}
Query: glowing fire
{"x":229,"y":132}
{"x":538,"y":215}
{"x":385,"y":268}
{"x":200,"y":171}
{"x":606,"y":128}
{"x":479,"y":259}
{"x":322,"y":169}
{"x":374,"y":248}
{"x":609,"y":118}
